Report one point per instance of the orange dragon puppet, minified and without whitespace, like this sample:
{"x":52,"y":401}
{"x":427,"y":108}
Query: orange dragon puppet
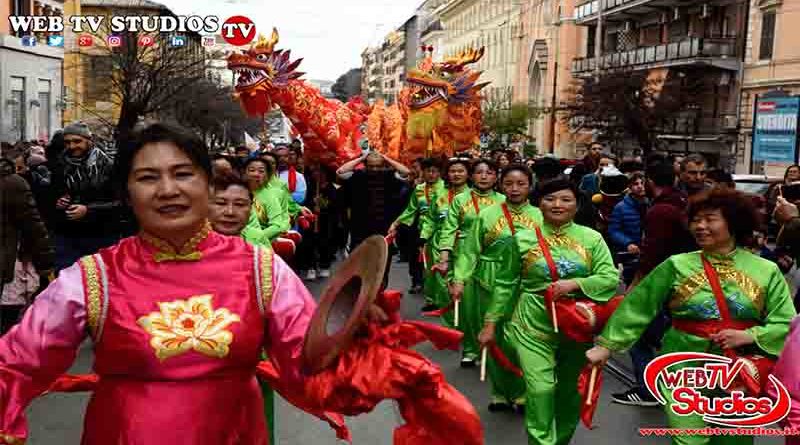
{"x":267,"y":77}
{"x":437,"y":113}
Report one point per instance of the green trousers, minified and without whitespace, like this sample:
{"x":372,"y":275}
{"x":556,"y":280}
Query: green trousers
{"x":470,"y":320}
{"x":551,"y":368}
{"x":696,"y":421}
{"x":436,"y":290}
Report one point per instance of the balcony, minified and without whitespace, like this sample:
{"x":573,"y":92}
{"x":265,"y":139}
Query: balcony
{"x":586,"y":12}
{"x":696,"y":127}
{"x":716,"y":52}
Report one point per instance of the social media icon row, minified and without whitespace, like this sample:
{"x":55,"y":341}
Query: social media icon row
{"x":115,"y":41}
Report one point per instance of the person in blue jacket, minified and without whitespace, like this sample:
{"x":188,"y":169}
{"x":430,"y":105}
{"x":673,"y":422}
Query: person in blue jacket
{"x":625,"y":225}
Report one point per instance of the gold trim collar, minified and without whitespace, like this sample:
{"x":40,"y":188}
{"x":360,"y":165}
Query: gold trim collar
{"x":189,"y":252}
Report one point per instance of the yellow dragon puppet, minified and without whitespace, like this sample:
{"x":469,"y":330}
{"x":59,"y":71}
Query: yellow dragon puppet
{"x":437,"y":113}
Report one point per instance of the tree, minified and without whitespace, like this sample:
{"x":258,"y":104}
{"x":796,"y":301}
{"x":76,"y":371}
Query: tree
{"x":347,"y":85}
{"x":637,"y":105}
{"x":142,"y":81}
{"x":505,"y":121}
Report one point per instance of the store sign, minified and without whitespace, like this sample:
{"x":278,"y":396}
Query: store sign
{"x":775,"y":132}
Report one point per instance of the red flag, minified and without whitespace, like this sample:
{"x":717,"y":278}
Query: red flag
{"x":585,"y":382}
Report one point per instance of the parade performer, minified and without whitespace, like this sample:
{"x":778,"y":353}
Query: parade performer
{"x":269,"y":222}
{"x":550,"y":361}
{"x":758,"y":305}
{"x":176,"y":346}
{"x":461,"y":218}
{"x":479,"y":261}
{"x":787,"y":370}
{"x":435,"y":287}
{"x":419,"y":204}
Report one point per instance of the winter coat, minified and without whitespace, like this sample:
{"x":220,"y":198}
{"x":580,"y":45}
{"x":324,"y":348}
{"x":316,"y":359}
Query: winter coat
{"x":625,"y":224}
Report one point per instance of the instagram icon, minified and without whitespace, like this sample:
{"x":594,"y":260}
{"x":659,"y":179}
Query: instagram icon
{"x":114,"y":41}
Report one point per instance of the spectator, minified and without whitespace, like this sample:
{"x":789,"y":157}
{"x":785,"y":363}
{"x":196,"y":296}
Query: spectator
{"x":372,"y":196}
{"x":86,"y":216}
{"x":790,"y":175}
{"x":666,"y":230}
{"x":288,"y":173}
{"x":625,"y":225}
{"x":592,"y":159}
{"x":26,"y":255}
{"x":720,"y":178}
{"x":631,"y":166}
{"x":229,"y":204}
{"x":587,"y":214}
{"x":317,"y":251}
{"x":503,"y":160}
{"x":677,"y":161}
{"x":693,"y":175}
{"x":221,"y":165}
{"x":591,"y":182}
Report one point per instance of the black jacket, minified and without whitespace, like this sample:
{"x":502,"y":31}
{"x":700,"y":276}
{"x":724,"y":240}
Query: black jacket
{"x":374,"y":200}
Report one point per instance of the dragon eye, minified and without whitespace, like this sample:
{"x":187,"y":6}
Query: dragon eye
{"x":262,"y":57}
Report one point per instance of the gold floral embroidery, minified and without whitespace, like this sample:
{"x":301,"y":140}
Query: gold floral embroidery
{"x":11,"y":440}
{"x":501,"y":225}
{"x":93,"y":293}
{"x":691,"y":285}
{"x":266,"y":277}
{"x":189,"y":252}
{"x":184,"y":325}
{"x":557,"y":239}
{"x":261,"y":212}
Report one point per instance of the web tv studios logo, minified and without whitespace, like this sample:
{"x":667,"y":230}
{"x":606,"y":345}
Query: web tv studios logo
{"x":689,"y":388}
{"x":237,"y":30}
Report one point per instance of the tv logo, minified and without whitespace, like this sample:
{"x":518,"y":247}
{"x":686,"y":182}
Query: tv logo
{"x":209,"y":41}
{"x":114,"y":41}
{"x":28,"y":40}
{"x":146,"y":41}
{"x":85,"y":40}
{"x":55,"y":41}
{"x":177,"y":41}
{"x":238,"y":30}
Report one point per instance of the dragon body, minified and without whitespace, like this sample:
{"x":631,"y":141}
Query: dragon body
{"x":438,"y":111}
{"x":267,"y":77}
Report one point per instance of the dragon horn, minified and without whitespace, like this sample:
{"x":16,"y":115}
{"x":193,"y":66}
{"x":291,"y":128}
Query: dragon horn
{"x":267,"y":44}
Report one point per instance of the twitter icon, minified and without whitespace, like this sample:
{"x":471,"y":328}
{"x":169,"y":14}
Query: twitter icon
{"x":55,"y":40}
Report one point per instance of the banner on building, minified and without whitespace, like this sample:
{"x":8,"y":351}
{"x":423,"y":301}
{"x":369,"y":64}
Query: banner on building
{"x":775,"y":129}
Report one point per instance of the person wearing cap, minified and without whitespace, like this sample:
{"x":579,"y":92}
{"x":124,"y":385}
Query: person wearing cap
{"x":85,"y":216}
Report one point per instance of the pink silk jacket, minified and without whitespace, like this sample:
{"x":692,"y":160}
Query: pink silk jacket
{"x":177,"y":336}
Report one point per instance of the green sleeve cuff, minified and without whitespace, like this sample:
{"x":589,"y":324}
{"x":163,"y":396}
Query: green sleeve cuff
{"x":611,"y":345}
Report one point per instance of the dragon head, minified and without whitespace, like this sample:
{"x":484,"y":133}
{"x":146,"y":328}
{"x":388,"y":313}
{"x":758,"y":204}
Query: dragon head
{"x":260,"y":69}
{"x":448,"y":81}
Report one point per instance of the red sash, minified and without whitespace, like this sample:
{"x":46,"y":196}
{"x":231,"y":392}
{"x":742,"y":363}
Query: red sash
{"x":292,"y":179}
{"x":475,"y":204}
{"x":582,"y":318}
{"x":509,"y":220}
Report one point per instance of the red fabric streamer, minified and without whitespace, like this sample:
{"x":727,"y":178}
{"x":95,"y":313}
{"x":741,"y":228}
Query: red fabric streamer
{"x":500,"y":357}
{"x":439,"y":312}
{"x":572,"y":315}
{"x":587,"y":409}
{"x":75,"y":383}
{"x":292,"y":179}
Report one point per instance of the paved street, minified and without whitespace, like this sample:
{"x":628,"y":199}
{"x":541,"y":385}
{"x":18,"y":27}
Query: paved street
{"x":56,"y":418}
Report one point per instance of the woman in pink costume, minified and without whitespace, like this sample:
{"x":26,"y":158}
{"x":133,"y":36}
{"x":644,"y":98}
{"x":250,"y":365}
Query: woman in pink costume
{"x":787,"y":370}
{"x":178,"y":316}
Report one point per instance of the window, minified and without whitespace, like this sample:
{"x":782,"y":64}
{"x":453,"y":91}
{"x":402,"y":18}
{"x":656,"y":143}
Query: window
{"x":591,"y":40}
{"x":18,"y":107}
{"x":767,"y":36}
{"x":98,"y":87}
{"x":44,"y":110}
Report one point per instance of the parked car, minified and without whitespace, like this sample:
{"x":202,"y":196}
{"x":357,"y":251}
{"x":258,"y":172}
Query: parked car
{"x":758,"y":186}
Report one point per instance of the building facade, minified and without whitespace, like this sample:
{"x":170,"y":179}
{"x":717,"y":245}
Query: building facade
{"x":772,"y":63}
{"x":371,"y":74}
{"x":431,"y":32}
{"x":393,"y":52}
{"x":495,"y":25}
{"x":31,"y":99}
{"x":679,"y":43}
{"x":550,"y":41}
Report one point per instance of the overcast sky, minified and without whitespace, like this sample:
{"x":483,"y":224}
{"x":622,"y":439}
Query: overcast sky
{"x":328,"y":34}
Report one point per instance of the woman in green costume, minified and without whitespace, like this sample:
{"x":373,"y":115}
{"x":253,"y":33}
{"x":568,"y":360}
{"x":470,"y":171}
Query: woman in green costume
{"x":457,"y":171}
{"x":461,"y":217}
{"x":550,"y":361}
{"x":419,"y":205}
{"x":755,"y":291}
{"x":270,"y":216}
{"x":479,"y":261}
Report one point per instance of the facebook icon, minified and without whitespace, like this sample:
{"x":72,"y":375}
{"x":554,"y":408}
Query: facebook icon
{"x":28,"y":40}
{"x":177,"y":41}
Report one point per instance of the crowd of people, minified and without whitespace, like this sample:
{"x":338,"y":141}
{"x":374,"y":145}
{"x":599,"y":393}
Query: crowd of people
{"x":491,"y":242}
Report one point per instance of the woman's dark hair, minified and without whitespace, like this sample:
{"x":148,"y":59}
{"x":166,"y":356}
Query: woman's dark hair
{"x":737,"y":208}
{"x":460,"y":161}
{"x":517,"y":168}
{"x":786,"y":173}
{"x":630,"y":166}
{"x":430,"y":162}
{"x":547,"y":168}
{"x":577,"y":173}
{"x":721,"y":176}
{"x":661,"y":173}
{"x":488,"y":162}
{"x":635,"y":177}
{"x":252,"y":159}
{"x":225,"y":180}
{"x":556,"y":184}
{"x":186,"y":141}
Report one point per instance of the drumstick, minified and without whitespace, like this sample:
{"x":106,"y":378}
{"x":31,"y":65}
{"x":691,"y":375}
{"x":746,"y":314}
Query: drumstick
{"x":484,"y":357}
{"x":555,"y":316}
{"x":455,"y":308}
{"x":592,"y":380}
